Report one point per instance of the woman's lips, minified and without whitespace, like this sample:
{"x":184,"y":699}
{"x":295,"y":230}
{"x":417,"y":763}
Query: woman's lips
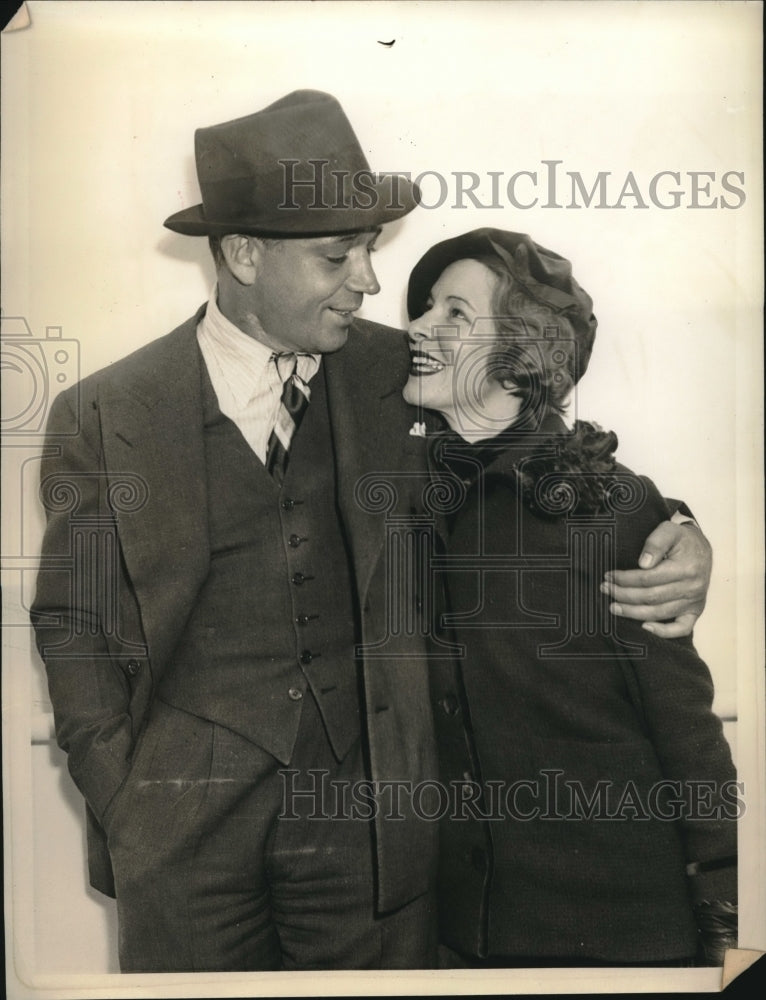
{"x":424,"y":364}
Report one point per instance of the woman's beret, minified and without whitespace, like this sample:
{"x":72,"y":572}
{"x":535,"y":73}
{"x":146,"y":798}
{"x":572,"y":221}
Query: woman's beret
{"x":544,"y":275}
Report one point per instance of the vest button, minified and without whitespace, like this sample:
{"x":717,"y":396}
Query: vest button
{"x":133,"y":666}
{"x":295,"y":694}
{"x":307,"y":656}
{"x":295,"y":541}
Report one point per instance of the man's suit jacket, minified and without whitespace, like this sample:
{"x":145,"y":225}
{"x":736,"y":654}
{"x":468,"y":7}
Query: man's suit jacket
{"x":124,"y":463}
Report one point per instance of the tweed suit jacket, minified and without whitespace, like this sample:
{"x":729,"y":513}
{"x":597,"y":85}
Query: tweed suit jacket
{"x":124,"y":458}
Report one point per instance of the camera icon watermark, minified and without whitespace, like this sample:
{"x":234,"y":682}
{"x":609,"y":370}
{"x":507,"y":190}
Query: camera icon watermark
{"x":34,"y":371}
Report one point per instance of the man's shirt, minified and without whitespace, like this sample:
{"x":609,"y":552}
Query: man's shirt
{"x":245,"y":376}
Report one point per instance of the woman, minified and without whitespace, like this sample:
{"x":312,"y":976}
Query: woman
{"x":575,"y":746}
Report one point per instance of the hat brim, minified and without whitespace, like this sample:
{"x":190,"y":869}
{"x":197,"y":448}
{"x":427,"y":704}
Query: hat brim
{"x":307,"y":221}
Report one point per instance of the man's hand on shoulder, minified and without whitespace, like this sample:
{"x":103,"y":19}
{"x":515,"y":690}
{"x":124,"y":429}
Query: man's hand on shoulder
{"x":668,"y":592}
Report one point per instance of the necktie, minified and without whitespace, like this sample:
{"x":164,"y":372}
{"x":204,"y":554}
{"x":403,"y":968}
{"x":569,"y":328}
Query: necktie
{"x":295,"y":398}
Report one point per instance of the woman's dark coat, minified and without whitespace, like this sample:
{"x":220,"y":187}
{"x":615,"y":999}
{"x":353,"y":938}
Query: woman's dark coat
{"x":602,"y":763}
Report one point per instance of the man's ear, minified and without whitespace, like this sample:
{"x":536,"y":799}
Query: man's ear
{"x":242,"y":255}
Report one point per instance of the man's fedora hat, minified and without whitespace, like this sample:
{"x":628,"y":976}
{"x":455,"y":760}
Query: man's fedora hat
{"x":293,"y":169}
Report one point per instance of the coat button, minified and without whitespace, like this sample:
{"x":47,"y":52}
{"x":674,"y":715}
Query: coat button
{"x":287,"y":504}
{"x":295,"y":694}
{"x":133,"y":666}
{"x":295,"y":541}
{"x":307,"y":656}
{"x":450,"y":704}
{"x":298,"y":579}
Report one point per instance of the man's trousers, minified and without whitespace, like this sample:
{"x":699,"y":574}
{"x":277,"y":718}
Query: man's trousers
{"x":220,"y":865}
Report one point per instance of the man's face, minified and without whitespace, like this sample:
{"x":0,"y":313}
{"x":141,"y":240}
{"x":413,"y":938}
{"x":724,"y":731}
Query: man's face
{"x":306,"y":290}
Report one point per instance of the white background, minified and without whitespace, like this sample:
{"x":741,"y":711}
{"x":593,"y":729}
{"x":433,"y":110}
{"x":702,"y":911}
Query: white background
{"x":100,"y":101}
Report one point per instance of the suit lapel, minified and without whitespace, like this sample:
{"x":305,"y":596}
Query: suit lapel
{"x":370,"y":426}
{"x":152,"y":428}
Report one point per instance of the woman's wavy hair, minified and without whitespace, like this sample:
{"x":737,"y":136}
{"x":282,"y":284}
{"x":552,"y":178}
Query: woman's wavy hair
{"x":535,"y":345}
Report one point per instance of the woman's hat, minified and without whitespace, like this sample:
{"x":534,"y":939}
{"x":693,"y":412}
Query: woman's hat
{"x":296,"y":168}
{"x":544,"y":275}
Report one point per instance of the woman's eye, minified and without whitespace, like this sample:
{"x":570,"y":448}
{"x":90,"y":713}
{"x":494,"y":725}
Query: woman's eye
{"x":456,"y":313}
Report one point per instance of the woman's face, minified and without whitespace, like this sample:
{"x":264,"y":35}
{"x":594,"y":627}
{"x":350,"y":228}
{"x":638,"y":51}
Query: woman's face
{"x":450,"y":346}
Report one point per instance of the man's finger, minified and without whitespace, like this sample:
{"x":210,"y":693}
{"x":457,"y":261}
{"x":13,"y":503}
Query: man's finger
{"x":666,"y":572}
{"x":659,"y":544}
{"x":683,"y":625}
{"x":650,"y":612}
{"x":650,"y":595}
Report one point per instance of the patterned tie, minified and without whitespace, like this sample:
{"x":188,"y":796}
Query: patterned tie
{"x":295,"y":398}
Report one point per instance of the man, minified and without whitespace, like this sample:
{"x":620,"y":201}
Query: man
{"x":218,"y":653}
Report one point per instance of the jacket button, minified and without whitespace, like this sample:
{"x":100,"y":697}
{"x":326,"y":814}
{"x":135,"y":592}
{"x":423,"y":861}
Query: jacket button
{"x":133,"y":666}
{"x":450,"y":704}
{"x":295,"y":694}
{"x":295,"y":541}
{"x":298,"y":579}
{"x":307,"y":656}
{"x":287,"y":504}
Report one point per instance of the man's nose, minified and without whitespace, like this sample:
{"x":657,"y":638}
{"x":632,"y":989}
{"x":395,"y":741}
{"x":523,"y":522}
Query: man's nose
{"x":362,"y":278}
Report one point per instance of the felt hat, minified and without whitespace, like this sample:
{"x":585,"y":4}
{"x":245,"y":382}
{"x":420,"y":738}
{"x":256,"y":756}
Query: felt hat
{"x":295,"y":168}
{"x":544,"y":275}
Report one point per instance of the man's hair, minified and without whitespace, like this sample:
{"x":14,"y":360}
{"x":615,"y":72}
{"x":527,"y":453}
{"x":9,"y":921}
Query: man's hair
{"x":535,"y":344}
{"x":214,"y":242}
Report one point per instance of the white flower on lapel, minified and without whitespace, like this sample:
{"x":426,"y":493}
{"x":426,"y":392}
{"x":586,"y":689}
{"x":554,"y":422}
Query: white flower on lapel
{"x":418,"y":430}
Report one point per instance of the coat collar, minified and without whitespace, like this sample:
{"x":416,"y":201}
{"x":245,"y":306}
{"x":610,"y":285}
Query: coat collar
{"x":498,"y":456}
{"x":152,"y":427}
{"x":370,"y":425}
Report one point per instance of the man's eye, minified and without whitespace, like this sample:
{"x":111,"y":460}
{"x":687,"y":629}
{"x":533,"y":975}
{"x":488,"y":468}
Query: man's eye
{"x":338,"y":260}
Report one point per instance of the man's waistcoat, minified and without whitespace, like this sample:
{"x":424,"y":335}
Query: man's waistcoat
{"x":275,"y":618}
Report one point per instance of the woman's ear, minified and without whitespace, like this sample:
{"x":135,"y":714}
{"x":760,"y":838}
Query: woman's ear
{"x":242,"y":255}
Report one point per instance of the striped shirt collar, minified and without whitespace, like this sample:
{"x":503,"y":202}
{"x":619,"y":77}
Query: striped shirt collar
{"x":243,"y":362}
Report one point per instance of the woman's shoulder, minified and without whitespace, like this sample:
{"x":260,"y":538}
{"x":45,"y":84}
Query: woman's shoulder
{"x":575,"y":471}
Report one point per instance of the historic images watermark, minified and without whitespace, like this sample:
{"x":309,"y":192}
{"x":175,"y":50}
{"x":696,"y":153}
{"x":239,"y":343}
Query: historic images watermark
{"x":547,"y":795}
{"x":549,"y":185}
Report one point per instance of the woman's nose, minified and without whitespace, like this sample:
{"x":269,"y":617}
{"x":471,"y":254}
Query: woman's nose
{"x":420,"y":328}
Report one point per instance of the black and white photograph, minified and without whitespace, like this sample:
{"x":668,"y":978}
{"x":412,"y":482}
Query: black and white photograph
{"x":383,"y":535}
